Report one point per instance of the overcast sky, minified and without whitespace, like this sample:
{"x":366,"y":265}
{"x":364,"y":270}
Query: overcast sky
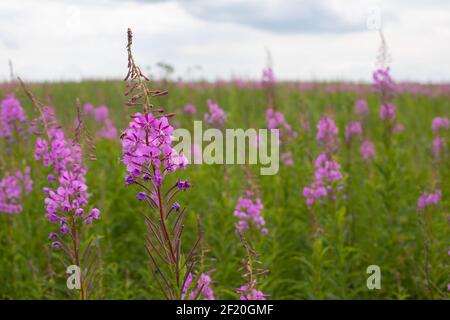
{"x":308,"y":40}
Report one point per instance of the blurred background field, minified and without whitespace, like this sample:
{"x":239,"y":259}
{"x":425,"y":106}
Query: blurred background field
{"x":375,"y":222}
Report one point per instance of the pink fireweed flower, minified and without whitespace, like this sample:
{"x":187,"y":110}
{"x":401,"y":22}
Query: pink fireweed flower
{"x":109,"y":131}
{"x":88,"y":108}
{"x":314,"y":191}
{"x":190,"y":109}
{"x":367,"y":150}
{"x":383,"y":81}
{"x":327,"y":132}
{"x":387,"y":111}
{"x":440,"y":123}
{"x":268,"y":78}
{"x":326,"y":175}
{"x":286,"y":158}
{"x":201,"y":289}
{"x":12,"y":116}
{"x":398,"y":128}
{"x":216,"y":115}
{"x":426,"y":200}
{"x":249,"y":292}
{"x":248,"y":210}
{"x":439,"y":142}
{"x":146,"y":144}
{"x":58,"y":152}
{"x":361,"y":107}
{"x":101,"y":114}
{"x":69,"y":196}
{"x":438,"y":146}
{"x":353,"y":129}
{"x":12,"y":189}
{"x":276,"y":120}
{"x":149,"y":157}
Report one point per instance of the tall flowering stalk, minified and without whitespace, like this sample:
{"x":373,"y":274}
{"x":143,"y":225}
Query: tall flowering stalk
{"x":328,"y":172}
{"x":424,"y":208}
{"x":249,"y":207}
{"x":149,"y":159}
{"x":438,"y":125}
{"x":386,"y":88}
{"x":276,"y":119}
{"x":366,"y":148}
{"x":66,"y":201}
{"x":250,"y":290}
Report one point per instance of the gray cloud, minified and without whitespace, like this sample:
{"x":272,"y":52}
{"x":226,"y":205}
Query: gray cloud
{"x":288,"y":16}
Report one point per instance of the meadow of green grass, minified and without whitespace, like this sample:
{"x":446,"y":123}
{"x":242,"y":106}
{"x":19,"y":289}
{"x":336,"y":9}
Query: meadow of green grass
{"x":374,"y":221}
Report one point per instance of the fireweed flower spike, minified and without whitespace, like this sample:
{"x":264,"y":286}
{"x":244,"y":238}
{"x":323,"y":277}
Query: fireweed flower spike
{"x":250,"y":291}
{"x":268,"y":78}
{"x":361,"y":107}
{"x":353,"y":129}
{"x":216,"y":116}
{"x":426,"y":200}
{"x":12,"y":189}
{"x":327,"y":133}
{"x":149,"y":157}
{"x":101,"y":116}
{"x":202,"y":288}
{"x":15,"y":182}
{"x":438,"y":125}
{"x":190,"y":109}
{"x":367,"y":150}
{"x":12,"y":117}
{"x":328,"y":172}
{"x":66,"y":199}
{"x":248,"y":210}
{"x":276,"y":119}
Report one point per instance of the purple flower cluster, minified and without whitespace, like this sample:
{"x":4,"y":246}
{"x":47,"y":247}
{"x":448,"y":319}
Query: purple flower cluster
{"x":248,"y":210}
{"x":276,"y":120}
{"x":353,"y":129}
{"x":387,"y":111}
{"x":248,"y":292}
{"x":439,"y":143}
{"x":216,"y":115}
{"x":286,"y":158}
{"x":101,"y":116}
{"x":202,"y":288}
{"x":386,"y":87}
{"x":440,"y":123}
{"x":12,"y":117}
{"x":66,"y":201}
{"x":326,"y":133}
{"x":268,"y":79}
{"x":367,"y":150}
{"x":12,"y":188}
{"x":382,"y":80}
{"x":327,"y":173}
{"x":57,"y":151}
{"x":190,"y":109}
{"x":427,"y":200}
{"x":361,"y":107}
{"x":147,"y":151}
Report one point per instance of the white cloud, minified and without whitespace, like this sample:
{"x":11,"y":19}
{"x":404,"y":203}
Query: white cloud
{"x":71,"y":39}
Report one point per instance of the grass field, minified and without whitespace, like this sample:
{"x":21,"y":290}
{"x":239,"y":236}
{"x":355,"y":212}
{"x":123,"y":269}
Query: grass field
{"x":373,"y":220}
